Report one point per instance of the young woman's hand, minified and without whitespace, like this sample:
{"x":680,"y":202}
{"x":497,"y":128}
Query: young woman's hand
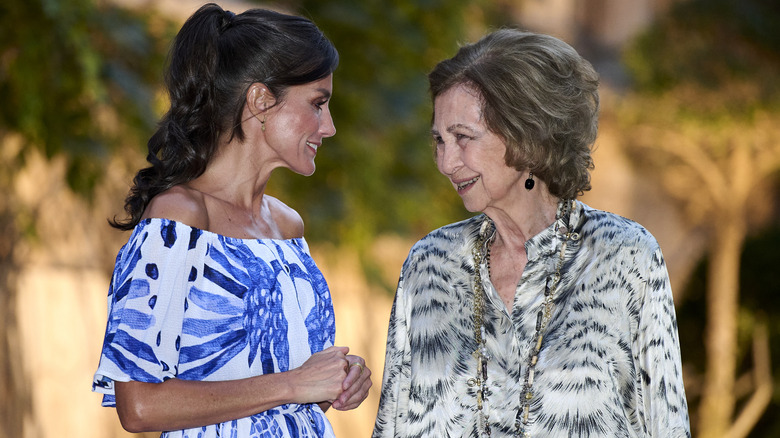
{"x":322,"y":376}
{"x":355,"y":385}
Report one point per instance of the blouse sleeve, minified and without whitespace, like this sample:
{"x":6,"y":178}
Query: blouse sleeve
{"x":146,"y":304}
{"x":660,"y":365}
{"x":394,"y":398}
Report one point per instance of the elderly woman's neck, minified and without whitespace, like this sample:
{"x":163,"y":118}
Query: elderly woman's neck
{"x":525,"y":219}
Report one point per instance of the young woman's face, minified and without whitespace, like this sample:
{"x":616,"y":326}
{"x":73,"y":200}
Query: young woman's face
{"x":296,"y":126}
{"x":469,"y":154}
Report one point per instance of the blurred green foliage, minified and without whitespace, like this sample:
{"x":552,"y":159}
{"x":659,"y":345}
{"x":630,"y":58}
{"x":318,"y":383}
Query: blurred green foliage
{"x":78,"y":79}
{"x":716,"y":56}
{"x":378,"y":174}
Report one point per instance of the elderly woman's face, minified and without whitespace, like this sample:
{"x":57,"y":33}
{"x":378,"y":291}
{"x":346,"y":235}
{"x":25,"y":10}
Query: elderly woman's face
{"x":470,"y":155}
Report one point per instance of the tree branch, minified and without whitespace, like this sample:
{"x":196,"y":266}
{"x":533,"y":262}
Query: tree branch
{"x":762,"y":395}
{"x":687,"y":148}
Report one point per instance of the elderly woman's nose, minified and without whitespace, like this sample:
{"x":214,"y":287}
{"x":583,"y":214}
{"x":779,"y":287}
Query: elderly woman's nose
{"x":449,"y":160}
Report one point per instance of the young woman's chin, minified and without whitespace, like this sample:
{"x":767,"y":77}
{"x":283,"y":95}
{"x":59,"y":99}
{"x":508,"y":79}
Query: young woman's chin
{"x":309,"y":171}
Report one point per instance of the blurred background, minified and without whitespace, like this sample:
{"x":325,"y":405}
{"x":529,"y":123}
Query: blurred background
{"x":689,"y":146}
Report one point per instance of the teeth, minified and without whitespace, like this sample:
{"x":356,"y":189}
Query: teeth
{"x":312,"y":145}
{"x":466,"y":183}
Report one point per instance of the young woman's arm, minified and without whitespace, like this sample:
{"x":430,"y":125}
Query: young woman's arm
{"x":183,"y":404}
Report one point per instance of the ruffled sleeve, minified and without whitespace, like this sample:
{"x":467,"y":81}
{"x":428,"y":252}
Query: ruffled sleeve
{"x":146,"y":303}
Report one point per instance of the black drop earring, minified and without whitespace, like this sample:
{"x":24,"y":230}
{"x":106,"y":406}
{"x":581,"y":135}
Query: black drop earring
{"x":529,"y":183}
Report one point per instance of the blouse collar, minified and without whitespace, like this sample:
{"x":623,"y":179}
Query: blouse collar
{"x":546,"y":242}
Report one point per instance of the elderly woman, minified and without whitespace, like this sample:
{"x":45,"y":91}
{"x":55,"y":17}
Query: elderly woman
{"x":541,"y":316}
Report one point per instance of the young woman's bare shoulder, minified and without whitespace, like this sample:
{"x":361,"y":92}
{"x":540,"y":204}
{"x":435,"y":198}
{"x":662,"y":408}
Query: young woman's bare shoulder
{"x":181,"y":204}
{"x":287,"y":219}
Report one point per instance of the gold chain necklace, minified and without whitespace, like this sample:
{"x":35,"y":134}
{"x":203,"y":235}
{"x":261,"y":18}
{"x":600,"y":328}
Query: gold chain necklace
{"x":542,"y":319}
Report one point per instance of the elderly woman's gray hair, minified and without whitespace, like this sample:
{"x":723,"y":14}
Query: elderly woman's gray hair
{"x":539,"y":95}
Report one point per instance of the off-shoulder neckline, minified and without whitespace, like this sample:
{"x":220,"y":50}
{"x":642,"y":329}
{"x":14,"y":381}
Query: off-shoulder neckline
{"x":147,"y":221}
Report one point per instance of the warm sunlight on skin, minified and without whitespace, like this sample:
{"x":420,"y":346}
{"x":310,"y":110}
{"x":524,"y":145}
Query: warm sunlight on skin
{"x":469,"y":154}
{"x":295,"y":128}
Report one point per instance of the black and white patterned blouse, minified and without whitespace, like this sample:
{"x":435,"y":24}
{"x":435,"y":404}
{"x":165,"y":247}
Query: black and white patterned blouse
{"x":610,"y":361}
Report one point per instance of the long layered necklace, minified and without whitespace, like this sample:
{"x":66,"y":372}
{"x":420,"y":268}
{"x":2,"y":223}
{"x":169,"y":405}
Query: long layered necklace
{"x":481,"y":253}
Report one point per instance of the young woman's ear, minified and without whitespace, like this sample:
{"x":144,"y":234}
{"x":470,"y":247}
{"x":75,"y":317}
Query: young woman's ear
{"x":259,"y":98}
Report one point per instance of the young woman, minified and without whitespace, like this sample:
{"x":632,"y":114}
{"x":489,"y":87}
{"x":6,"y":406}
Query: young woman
{"x":220,"y":323}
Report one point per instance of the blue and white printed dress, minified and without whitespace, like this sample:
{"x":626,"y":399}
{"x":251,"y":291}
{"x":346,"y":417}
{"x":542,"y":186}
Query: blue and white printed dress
{"x":191,"y":304}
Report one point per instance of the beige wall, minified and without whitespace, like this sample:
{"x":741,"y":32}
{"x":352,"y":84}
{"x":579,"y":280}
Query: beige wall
{"x":62,"y":313}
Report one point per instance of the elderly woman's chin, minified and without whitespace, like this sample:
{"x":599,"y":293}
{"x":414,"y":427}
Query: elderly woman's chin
{"x":472,"y":203}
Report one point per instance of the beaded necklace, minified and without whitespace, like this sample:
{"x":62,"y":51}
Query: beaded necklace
{"x":481,"y":253}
